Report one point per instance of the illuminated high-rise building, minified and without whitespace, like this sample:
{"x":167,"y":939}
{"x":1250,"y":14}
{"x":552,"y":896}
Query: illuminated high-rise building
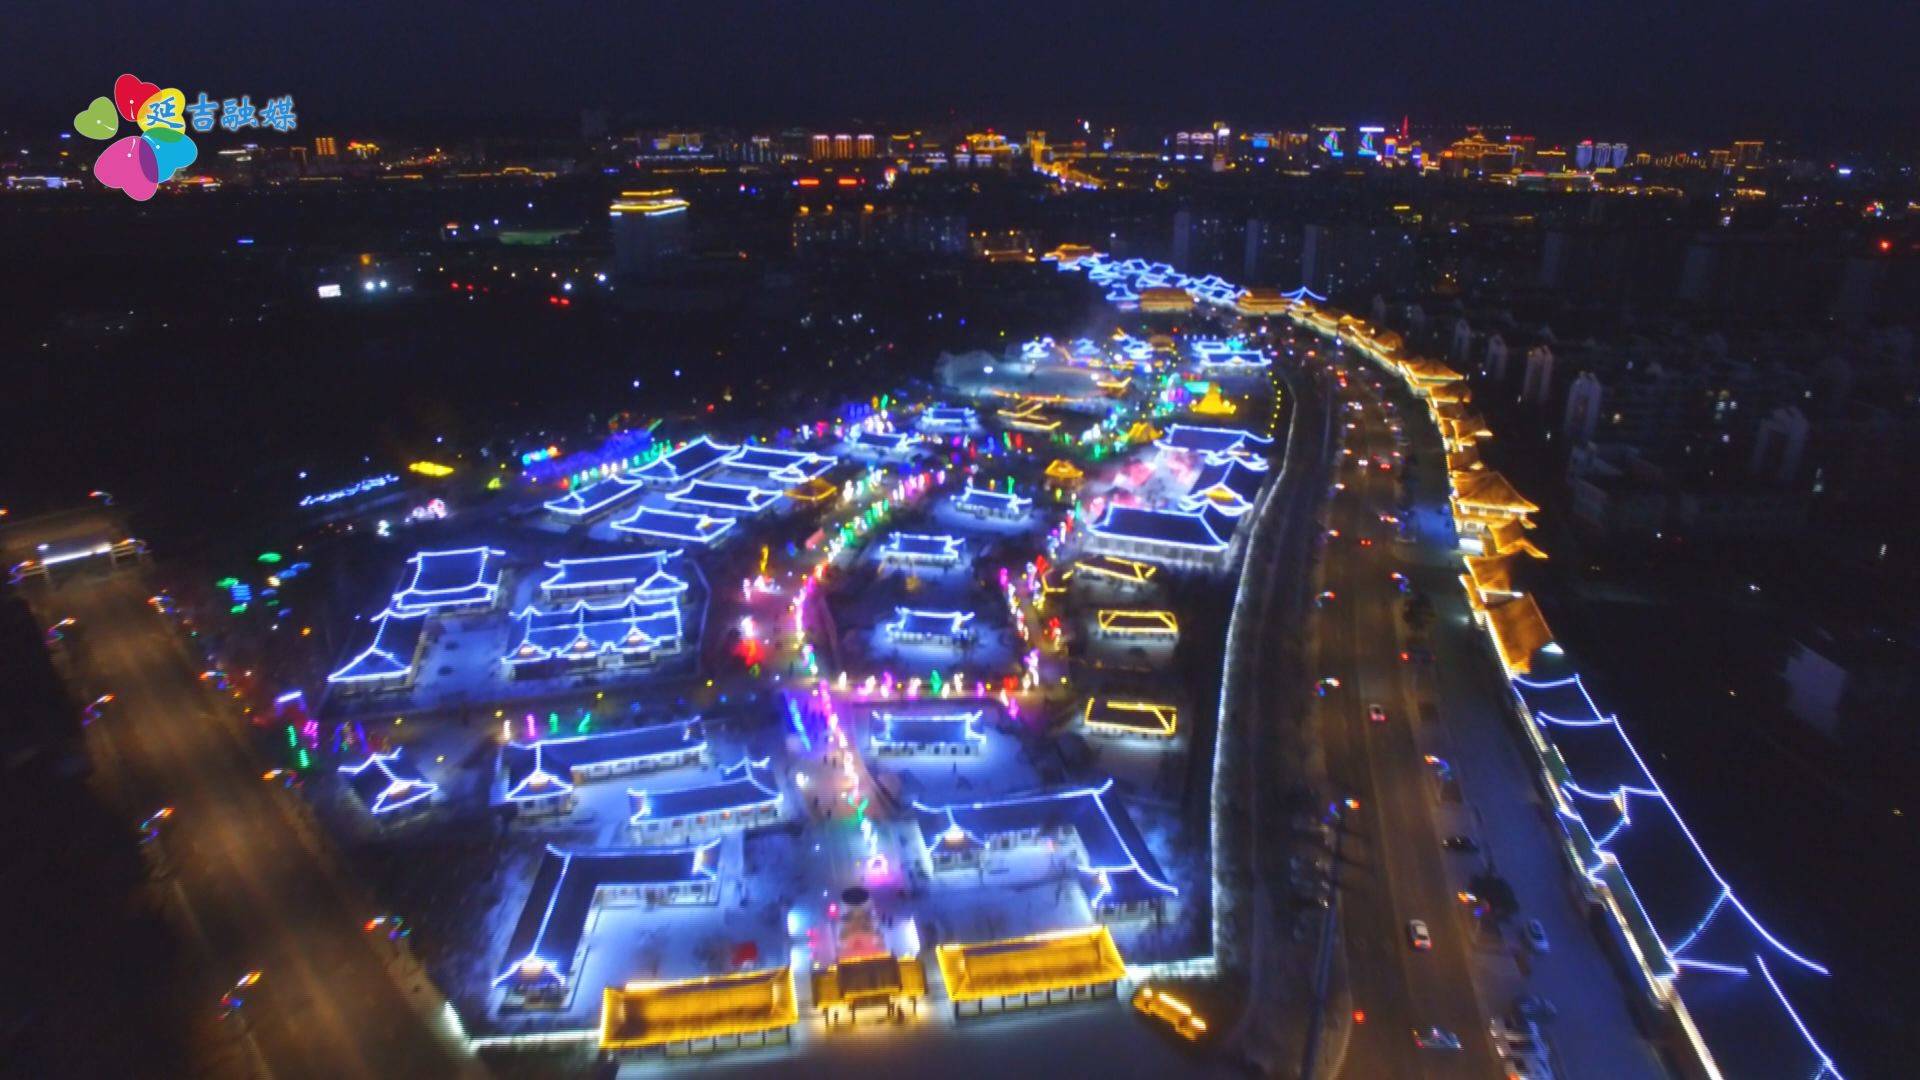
{"x":863,"y":146}
{"x":1583,"y":155}
{"x":325,"y":147}
{"x":842,"y":147}
{"x":819,"y":147}
{"x":1748,"y":151}
{"x":647,"y":227}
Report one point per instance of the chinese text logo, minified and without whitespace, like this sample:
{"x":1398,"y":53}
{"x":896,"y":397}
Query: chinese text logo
{"x":139,"y":164}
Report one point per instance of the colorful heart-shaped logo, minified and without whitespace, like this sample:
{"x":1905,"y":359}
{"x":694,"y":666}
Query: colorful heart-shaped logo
{"x":164,"y":111}
{"x":129,"y":93}
{"x":129,"y":165}
{"x":97,"y":121}
{"x":172,"y":152}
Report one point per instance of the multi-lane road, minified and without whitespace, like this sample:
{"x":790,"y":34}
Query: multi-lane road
{"x":1440,"y":702}
{"x":247,"y":876}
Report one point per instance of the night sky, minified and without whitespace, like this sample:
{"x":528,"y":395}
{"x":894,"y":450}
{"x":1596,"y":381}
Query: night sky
{"x":1704,"y":68}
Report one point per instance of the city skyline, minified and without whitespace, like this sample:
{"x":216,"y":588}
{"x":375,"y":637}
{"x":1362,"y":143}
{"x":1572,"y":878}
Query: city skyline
{"x":1701,"y":73}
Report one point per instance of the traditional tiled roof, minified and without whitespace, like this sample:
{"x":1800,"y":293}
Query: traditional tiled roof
{"x":386,"y":783}
{"x":673,"y":526}
{"x":593,"y":498}
{"x":742,"y":786}
{"x":450,"y":578}
{"x":544,"y":769}
{"x":631,"y":625}
{"x":647,"y":573}
{"x":389,"y":656}
{"x":546,"y":940}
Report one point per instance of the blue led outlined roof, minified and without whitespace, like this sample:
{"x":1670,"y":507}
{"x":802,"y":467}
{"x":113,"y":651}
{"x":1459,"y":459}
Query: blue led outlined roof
{"x":880,"y":442}
{"x":948,"y":418}
{"x":645,"y":573}
{"x":931,"y":729}
{"x":449,"y":579}
{"x":544,"y":769}
{"x":631,"y":625}
{"x":1616,"y":810}
{"x":1226,"y":354}
{"x":950,"y":625}
{"x":698,"y":456}
{"x":985,"y":501}
{"x":1212,"y":443}
{"x":785,"y":467}
{"x":1109,"y":839}
{"x":1200,"y":530}
{"x":385,"y":783}
{"x":547,"y":937}
{"x":675,"y":526}
{"x":744,"y":785}
{"x":723,"y":498}
{"x":935,"y":547}
{"x":1229,"y":486}
{"x":593,"y":498}
{"x":396,"y":638}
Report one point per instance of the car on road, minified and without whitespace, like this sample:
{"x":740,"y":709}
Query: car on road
{"x":1435,"y":1038}
{"x":233,"y":1000}
{"x":1376,"y":714}
{"x":1537,"y":937}
{"x":1466,"y":845}
{"x":1366,"y":541}
{"x":1170,"y":1011}
{"x":1417,"y":935}
{"x":1416,"y":655}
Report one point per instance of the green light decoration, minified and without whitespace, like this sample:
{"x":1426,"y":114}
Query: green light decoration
{"x":226,"y":583}
{"x":860,"y":811}
{"x":1009,"y":485}
{"x":269,"y":557}
{"x":553,"y":723}
{"x":305,"y":761}
{"x":293,"y":738}
{"x":933,"y":681}
{"x":237,"y":609}
{"x":586,"y":721}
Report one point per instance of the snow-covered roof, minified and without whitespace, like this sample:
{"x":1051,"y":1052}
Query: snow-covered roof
{"x":724,"y":498}
{"x":386,"y":783}
{"x":630,"y":625}
{"x":744,"y":785}
{"x":685,"y":463}
{"x":782,"y":466}
{"x":1110,"y":840}
{"x":390,"y":653}
{"x":644,"y":572}
{"x":922,"y":546}
{"x":1229,"y":486}
{"x":952,"y":625}
{"x":1200,"y":530}
{"x":983,"y":500}
{"x":544,"y":769}
{"x":932,"y":729}
{"x":674,"y":526}
{"x":450,"y":579}
{"x":593,"y":498}
{"x":546,"y":940}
